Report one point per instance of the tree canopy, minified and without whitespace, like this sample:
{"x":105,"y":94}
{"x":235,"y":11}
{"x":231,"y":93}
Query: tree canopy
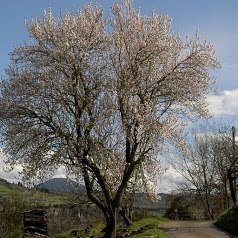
{"x":101,"y":96}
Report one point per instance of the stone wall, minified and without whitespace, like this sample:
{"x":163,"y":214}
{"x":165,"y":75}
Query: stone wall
{"x":35,"y":224}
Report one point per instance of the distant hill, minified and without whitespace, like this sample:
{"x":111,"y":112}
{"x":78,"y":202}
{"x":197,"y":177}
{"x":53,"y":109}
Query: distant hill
{"x":68,"y":185}
{"x":143,"y":201}
{"x":62,"y":184}
{"x":4,"y":182}
{"x":6,"y":188}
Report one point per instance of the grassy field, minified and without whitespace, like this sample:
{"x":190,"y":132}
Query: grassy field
{"x":4,"y":189}
{"x":38,"y":198}
{"x":147,"y":227}
{"x":46,"y":199}
{"x":151,"y":227}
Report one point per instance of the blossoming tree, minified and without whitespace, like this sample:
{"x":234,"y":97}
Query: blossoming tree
{"x":101,"y":96}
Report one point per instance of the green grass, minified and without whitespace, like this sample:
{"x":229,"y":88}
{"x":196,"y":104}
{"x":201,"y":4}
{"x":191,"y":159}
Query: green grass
{"x":155,"y":233}
{"x":38,"y":198}
{"x":63,"y":235}
{"x":149,"y":226}
{"x":4,"y":189}
{"x":93,"y":231}
{"x":228,"y":220}
{"x":47,"y":199}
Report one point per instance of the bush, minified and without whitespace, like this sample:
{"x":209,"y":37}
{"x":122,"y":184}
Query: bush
{"x":228,"y":220}
{"x":141,"y":214}
{"x":12,"y":208}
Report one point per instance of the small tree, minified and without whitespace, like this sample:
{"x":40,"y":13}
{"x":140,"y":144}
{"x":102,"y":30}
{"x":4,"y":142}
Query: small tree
{"x":205,"y":165}
{"x":198,"y":168}
{"x":101,"y":96}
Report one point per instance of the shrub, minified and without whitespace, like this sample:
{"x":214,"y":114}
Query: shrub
{"x":228,"y":220}
{"x":12,"y":208}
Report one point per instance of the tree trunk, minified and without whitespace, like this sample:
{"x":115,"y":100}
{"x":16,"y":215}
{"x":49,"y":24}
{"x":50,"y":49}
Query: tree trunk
{"x":109,"y":230}
{"x":231,"y":179}
{"x":209,"y":209}
{"x":126,"y":216}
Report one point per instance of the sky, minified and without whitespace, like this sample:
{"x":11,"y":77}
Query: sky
{"x":216,"y":20}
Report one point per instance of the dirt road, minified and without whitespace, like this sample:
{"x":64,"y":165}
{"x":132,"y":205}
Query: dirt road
{"x":193,"y":229}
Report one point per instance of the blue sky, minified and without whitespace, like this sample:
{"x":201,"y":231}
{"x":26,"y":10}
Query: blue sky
{"x":217,"y":20}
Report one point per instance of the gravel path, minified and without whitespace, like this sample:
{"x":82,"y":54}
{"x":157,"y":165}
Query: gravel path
{"x":193,"y":229}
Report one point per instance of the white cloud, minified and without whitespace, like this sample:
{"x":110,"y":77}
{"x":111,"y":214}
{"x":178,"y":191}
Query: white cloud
{"x":224,"y":104}
{"x":13,"y":175}
{"x":60,"y":173}
{"x":169,"y":181}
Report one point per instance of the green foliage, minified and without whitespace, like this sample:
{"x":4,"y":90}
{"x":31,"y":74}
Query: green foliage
{"x":12,"y":208}
{"x":142,"y":214}
{"x":228,"y":220}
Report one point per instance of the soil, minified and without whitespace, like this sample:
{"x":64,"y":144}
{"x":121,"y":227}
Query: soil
{"x":193,"y":229}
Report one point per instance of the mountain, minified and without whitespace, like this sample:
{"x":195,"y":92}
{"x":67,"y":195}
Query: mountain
{"x":63,"y":185}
